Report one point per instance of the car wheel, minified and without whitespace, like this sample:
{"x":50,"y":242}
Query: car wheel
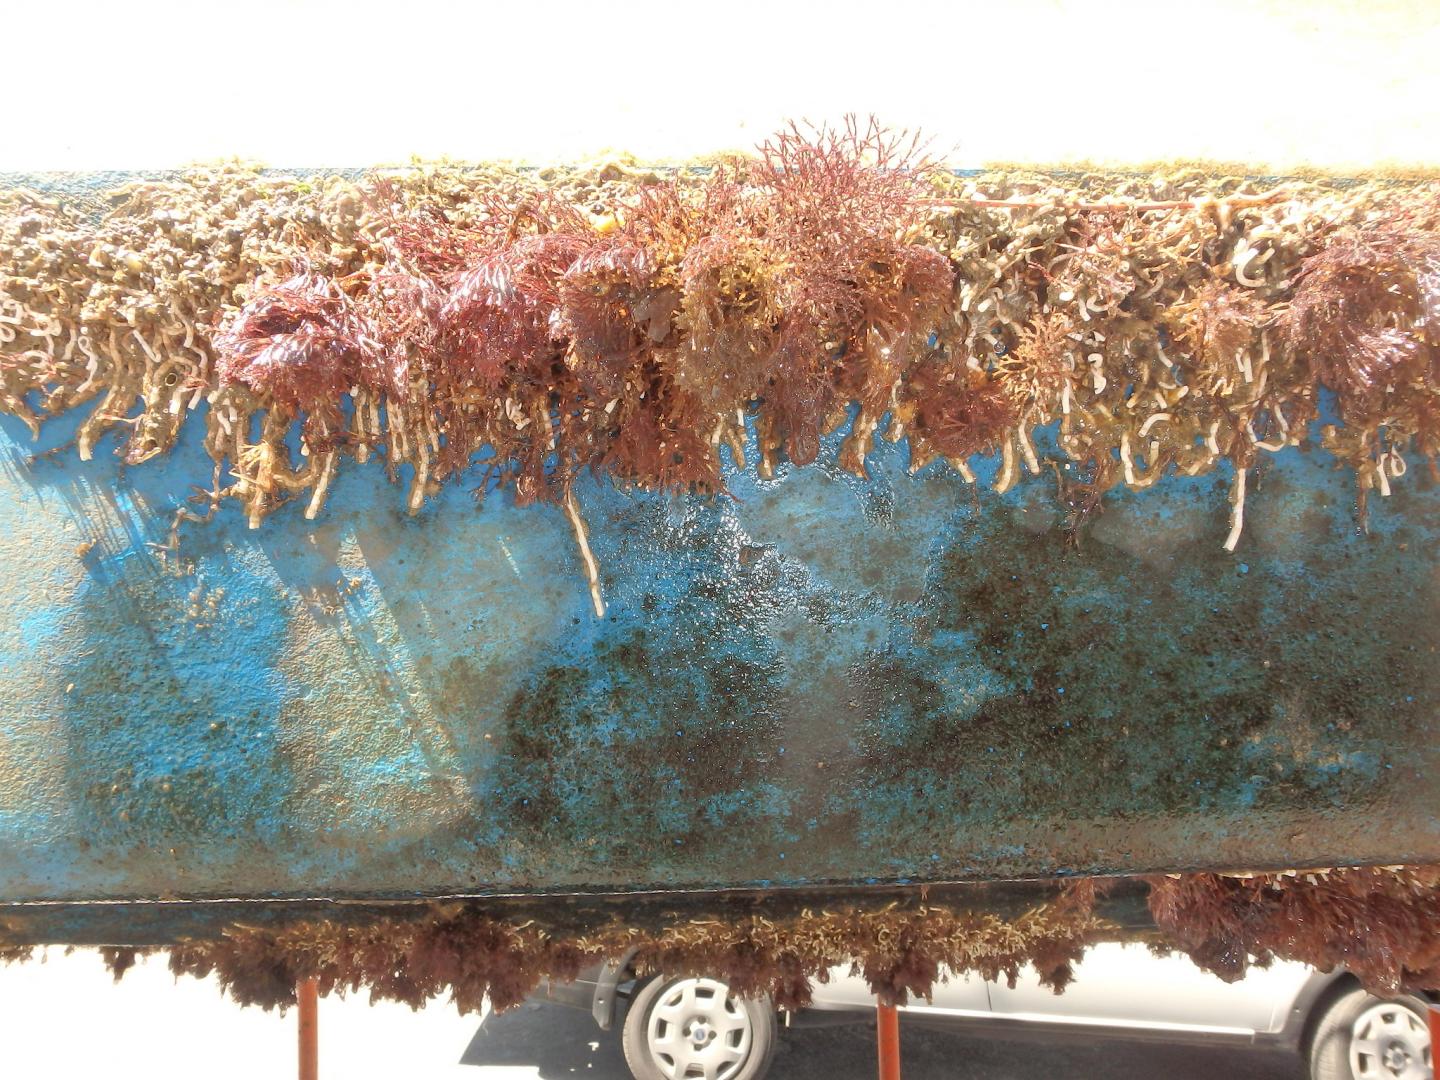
{"x":1363,"y":1037}
{"x":690,"y":1027}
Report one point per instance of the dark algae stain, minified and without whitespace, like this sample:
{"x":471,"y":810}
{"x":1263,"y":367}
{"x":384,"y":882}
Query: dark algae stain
{"x":653,"y":754}
{"x":1114,"y":683}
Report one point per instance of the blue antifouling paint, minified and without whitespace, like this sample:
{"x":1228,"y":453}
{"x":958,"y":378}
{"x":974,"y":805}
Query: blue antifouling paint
{"x":818,"y":680}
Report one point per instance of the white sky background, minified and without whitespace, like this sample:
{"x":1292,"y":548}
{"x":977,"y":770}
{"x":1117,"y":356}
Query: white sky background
{"x":66,"y":1019}
{"x":146,"y":84}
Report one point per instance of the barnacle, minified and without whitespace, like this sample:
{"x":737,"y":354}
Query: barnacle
{"x":616,"y":321}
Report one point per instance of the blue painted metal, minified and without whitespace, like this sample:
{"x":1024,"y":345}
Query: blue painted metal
{"x":820,"y":681}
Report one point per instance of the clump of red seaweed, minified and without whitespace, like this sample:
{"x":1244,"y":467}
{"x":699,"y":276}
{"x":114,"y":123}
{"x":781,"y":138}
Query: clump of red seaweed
{"x":305,"y":344}
{"x":635,"y":326}
{"x":461,"y":950}
{"x":1378,"y":923}
{"x":1366,"y":315}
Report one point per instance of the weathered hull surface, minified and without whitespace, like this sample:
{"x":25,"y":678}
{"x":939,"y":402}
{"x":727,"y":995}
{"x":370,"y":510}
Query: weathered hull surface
{"x":820,"y":680}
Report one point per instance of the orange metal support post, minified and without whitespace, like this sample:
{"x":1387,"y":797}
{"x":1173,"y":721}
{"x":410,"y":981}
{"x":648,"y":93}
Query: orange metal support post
{"x":1434,"y":1012}
{"x":307,"y":997}
{"x":887,"y":1039}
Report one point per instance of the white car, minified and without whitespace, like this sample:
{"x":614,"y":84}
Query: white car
{"x":677,"y":1028}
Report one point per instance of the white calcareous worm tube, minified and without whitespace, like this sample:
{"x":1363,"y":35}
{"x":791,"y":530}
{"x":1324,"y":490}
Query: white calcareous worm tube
{"x":317,"y":498}
{"x":582,"y":538}
{"x":1237,"y":510}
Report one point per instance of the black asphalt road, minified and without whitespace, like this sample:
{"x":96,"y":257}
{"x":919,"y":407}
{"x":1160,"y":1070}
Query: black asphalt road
{"x":560,"y":1042}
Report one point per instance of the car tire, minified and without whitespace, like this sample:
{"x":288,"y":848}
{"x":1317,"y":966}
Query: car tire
{"x":1360,"y":1037}
{"x":695,"y":1027}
